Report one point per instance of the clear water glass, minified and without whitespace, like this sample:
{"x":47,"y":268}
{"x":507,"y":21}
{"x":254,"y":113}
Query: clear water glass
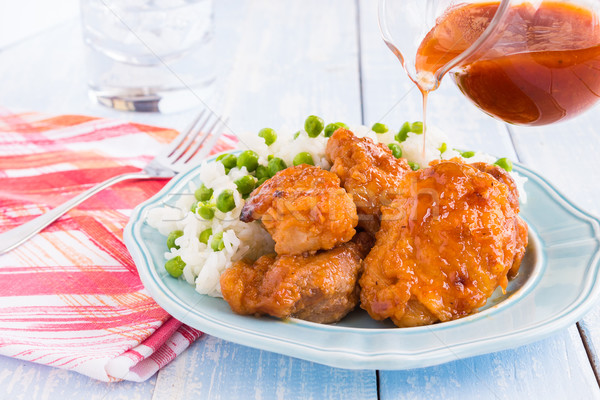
{"x":149,"y":55}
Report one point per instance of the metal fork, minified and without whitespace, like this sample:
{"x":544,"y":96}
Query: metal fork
{"x":174,"y":158}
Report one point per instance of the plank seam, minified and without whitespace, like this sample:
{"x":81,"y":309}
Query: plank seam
{"x":589,"y":350}
{"x":377,"y":383}
{"x":583,"y":334}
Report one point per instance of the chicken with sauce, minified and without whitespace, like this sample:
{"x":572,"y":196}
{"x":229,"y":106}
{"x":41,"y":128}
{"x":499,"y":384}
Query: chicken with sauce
{"x":501,"y":175}
{"x":321,"y":288}
{"x":369,"y":173}
{"x":445,"y":244}
{"x":304,"y":208}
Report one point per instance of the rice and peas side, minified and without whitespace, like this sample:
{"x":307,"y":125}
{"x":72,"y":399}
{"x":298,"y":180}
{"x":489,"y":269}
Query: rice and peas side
{"x":204,"y":233}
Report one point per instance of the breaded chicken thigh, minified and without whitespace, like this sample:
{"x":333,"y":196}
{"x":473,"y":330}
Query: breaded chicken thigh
{"x":368,"y":171}
{"x":321,"y":288}
{"x":444,"y":245}
{"x":304,"y":208}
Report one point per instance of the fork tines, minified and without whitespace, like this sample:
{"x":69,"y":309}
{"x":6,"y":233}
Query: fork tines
{"x":191,"y":144}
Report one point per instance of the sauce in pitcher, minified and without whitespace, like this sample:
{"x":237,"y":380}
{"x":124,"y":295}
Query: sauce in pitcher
{"x":543,"y":66}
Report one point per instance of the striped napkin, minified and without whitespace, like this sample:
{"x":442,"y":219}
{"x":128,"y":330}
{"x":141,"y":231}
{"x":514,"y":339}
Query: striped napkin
{"x":71,"y":296}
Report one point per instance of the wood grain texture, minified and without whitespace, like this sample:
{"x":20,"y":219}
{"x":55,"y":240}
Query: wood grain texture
{"x":26,"y":381}
{"x":218,"y":370}
{"x":554,"y":368}
{"x":279,"y":62}
{"x":568,"y":153}
{"x":27,"y":18}
{"x":520,"y":373}
{"x":287,"y":60}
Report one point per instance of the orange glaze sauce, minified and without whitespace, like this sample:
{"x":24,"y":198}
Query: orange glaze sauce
{"x":543,"y":67}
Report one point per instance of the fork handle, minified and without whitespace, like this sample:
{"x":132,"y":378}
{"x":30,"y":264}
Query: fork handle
{"x":16,"y":236}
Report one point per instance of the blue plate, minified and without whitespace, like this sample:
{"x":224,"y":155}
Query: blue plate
{"x":557,"y":283}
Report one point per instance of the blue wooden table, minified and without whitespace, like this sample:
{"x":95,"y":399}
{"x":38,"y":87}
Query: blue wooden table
{"x":280,"y":61}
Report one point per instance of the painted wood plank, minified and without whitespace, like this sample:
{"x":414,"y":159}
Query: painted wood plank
{"x":25,"y":380}
{"x":567,"y":154}
{"x":549,"y":369}
{"x":22,"y":19}
{"x":280,"y":62}
{"x":287,"y":60}
{"x":518,"y":373}
{"x":216,"y":369}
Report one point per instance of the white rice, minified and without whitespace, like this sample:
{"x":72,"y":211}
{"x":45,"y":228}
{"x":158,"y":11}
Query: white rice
{"x":250,"y":240}
{"x":241,"y":240}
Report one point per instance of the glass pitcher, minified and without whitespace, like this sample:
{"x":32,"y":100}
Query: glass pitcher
{"x":527,"y":62}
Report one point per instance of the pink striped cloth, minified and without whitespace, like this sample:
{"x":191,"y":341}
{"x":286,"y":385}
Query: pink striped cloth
{"x":71,"y":296}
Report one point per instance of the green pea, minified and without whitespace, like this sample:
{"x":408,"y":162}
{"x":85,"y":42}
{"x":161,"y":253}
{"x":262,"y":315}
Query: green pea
{"x":413,"y":165}
{"x":297,"y":134}
{"x":417,"y":127}
{"x":216,"y":243}
{"x":206,"y":211}
{"x":194,"y":207}
{"x":269,"y":135}
{"x":175,"y":266}
{"x":443,"y":147}
{"x":171,"y":239}
{"x":248,"y":159}
{"x":402,"y":134}
{"x":379,"y":128}
{"x":505,"y":164}
{"x":261,"y":181}
{"x":313,"y":125}
{"x":203,"y":193}
{"x":270,"y":157}
{"x":225,"y":201}
{"x":331,"y":128}
{"x":303,"y":158}
{"x":261,"y":172}
{"x":275,"y":165}
{"x":204,"y":235}
{"x":245,"y":184}
{"x":396,"y":149}
{"x":229,"y":161}
{"x":221,"y":156}
{"x":465,"y":154}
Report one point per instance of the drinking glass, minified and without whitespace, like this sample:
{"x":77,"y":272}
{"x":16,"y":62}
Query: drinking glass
{"x":149,"y":55}
{"x":526,"y":62}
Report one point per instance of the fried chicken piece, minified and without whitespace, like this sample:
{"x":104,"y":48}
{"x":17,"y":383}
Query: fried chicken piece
{"x":444,"y":246}
{"x":304,"y":208}
{"x":503,"y":176}
{"x":321,"y":288}
{"x":368,"y":171}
